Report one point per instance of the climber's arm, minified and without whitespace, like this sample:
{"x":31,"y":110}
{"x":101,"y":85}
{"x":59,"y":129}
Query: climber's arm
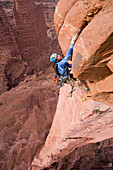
{"x":68,"y":55}
{"x":69,"y":65}
{"x":70,"y":50}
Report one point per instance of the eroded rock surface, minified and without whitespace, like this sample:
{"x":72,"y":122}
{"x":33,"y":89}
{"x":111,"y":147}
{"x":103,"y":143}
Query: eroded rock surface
{"x":92,"y":156}
{"x":30,"y":40}
{"x":28,"y":97}
{"x":23,"y":45}
{"x":26,"y":114}
{"x":48,"y":10}
{"x":92,"y":57}
{"x":27,"y":110}
{"x":77,"y":121}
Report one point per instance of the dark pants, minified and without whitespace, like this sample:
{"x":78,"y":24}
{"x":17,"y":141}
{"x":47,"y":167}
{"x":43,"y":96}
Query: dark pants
{"x":71,"y":80}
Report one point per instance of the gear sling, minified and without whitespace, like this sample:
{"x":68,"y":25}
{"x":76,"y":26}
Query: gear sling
{"x":60,"y":78}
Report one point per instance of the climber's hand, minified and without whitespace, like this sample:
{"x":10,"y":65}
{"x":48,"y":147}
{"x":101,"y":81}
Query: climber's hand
{"x":75,"y":37}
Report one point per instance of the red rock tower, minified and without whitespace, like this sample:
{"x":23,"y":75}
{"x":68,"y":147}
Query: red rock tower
{"x":31,"y":30}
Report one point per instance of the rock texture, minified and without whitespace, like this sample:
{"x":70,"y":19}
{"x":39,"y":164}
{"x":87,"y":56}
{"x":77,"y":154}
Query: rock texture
{"x":23,"y":45}
{"x":27,"y":103}
{"x":26,"y":114}
{"x":49,"y":9}
{"x":92,"y":58}
{"x":33,"y":39}
{"x":31,"y":31}
{"x":91,"y":156}
{"x":78,"y":122}
{"x":27,"y":109}
{"x":8,"y":47}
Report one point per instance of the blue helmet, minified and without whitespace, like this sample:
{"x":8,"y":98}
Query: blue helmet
{"x":53,"y":57}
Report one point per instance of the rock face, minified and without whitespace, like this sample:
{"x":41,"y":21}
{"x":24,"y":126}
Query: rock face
{"x":27,"y":109}
{"x":26,"y":114}
{"x":31,"y":31}
{"x":8,"y":47}
{"x":23,"y":45}
{"x":33,"y":39}
{"x":78,"y":121}
{"x":92,"y":156}
{"x":27,"y":103}
{"x":49,"y":9}
{"x":92,"y":58}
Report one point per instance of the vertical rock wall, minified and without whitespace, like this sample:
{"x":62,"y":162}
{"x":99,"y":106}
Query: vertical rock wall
{"x":75,"y":124}
{"x":77,"y":121}
{"x":31,"y":32}
{"x":8,"y":47}
{"x":23,"y":45}
{"x":93,"y":51}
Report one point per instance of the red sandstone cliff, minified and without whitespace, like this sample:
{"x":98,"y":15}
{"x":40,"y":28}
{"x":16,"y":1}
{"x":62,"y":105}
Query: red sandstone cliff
{"x":26,"y":114}
{"x":24,"y":45}
{"x":77,"y":123}
{"x":27,"y":98}
{"x":92,"y":58}
{"x":26,"y":111}
{"x":8,"y":48}
{"x":31,"y":31}
{"x":31,"y":41}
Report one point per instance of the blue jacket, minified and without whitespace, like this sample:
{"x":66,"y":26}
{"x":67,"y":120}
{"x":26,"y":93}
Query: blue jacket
{"x":61,"y":64}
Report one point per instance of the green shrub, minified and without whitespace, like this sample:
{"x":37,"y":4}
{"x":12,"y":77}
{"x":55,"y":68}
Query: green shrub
{"x":98,"y":143}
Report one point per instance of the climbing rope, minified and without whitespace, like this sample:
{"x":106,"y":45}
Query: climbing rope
{"x":88,"y":95}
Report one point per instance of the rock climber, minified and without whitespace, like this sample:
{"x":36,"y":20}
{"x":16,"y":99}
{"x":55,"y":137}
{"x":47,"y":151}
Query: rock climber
{"x":61,"y":65}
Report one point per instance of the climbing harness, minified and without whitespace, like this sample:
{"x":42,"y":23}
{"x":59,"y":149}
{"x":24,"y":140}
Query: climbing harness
{"x":60,"y":78}
{"x":60,"y":82}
